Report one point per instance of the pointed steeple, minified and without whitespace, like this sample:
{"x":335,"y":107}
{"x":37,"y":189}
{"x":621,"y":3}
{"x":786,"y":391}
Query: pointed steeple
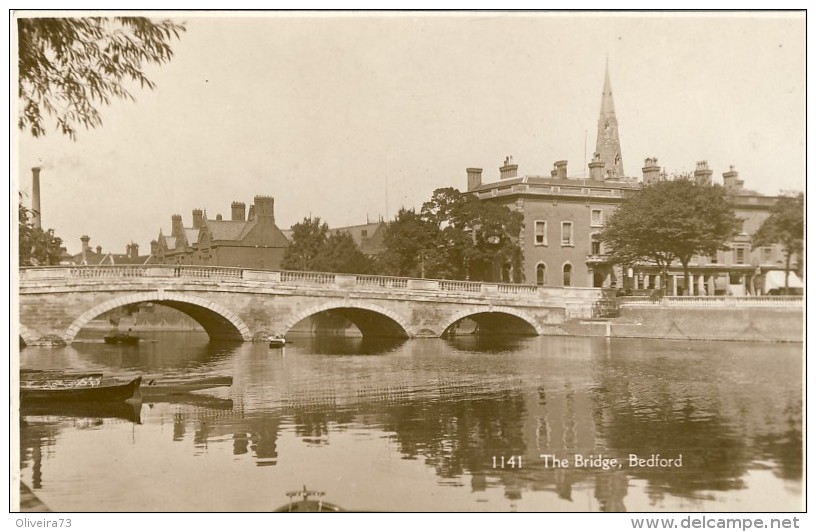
{"x":607,"y":146}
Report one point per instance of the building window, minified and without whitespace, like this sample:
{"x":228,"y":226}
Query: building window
{"x":540,"y":233}
{"x":595,"y":245}
{"x":596,"y":219}
{"x":566,"y":234}
{"x":740,"y":255}
{"x":541,"y":274}
{"x":567,"y":274}
{"x":714,"y":258}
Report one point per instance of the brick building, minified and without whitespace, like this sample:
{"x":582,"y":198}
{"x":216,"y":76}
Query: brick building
{"x":563,"y":216}
{"x":247,"y":240}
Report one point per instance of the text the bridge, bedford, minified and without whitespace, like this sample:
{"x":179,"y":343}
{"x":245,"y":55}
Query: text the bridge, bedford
{"x":246,"y":305}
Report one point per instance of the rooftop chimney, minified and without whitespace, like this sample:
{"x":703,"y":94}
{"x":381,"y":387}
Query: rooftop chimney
{"x":651,"y":171}
{"x":474,"y":178}
{"x":265,"y":207}
{"x":730,"y":180}
{"x":251,"y":215}
{"x":98,"y":250}
{"x":154,"y":247}
{"x":509,"y":170}
{"x":596,"y":167}
{"x":560,"y":170}
{"x":198,"y":218}
{"x":85,"y":247}
{"x":36,"y":219}
{"x":702,"y":174}
{"x":176,"y":228}
{"x":218,"y":217}
{"x":133,"y":250}
{"x":238,"y":211}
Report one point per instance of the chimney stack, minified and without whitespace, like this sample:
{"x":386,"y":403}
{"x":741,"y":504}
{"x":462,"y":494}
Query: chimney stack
{"x":238,"y":211}
{"x":251,"y":215}
{"x":85,"y":247}
{"x":730,"y":180}
{"x":265,"y":208}
{"x":702,"y":174}
{"x":474,"y":178}
{"x":154,"y":247}
{"x":651,"y":171}
{"x":36,"y":220}
{"x":176,"y":227}
{"x":98,"y":250}
{"x":559,"y":170}
{"x":596,"y":168}
{"x":198,"y":218}
{"x":218,"y":217}
{"x":509,"y":170}
{"x":133,"y":250}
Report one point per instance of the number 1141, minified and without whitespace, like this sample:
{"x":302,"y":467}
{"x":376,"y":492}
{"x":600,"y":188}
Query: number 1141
{"x":507,"y":462}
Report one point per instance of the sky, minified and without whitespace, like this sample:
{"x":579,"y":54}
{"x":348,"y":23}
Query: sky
{"x":351,"y":116}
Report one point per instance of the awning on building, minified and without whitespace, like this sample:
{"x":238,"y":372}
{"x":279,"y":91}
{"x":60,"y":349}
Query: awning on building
{"x":775,"y":279}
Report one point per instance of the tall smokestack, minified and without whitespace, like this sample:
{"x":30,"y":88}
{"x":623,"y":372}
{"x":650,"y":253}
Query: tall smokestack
{"x":36,"y":221}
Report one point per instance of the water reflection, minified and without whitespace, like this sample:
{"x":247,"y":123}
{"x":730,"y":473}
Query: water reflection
{"x":451,"y":407}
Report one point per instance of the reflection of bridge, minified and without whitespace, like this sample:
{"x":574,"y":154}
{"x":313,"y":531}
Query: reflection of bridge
{"x":247,"y":305}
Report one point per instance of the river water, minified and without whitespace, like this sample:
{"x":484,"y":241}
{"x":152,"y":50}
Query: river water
{"x":429,"y":425}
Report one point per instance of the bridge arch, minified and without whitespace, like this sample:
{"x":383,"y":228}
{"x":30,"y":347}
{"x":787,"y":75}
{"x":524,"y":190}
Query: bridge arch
{"x":482,"y":316}
{"x":219,"y":322}
{"x":366,"y":316}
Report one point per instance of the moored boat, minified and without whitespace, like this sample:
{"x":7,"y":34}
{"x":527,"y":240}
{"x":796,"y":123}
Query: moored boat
{"x":121,"y":338}
{"x":89,"y":388}
{"x":159,"y":385}
{"x":277,"y":342}
{"x":306,"y":504}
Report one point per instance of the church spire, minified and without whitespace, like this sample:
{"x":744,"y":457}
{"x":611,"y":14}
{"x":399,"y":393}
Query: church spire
{"x":607,"y":146}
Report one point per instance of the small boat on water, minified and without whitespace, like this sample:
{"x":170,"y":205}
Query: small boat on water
{"x":277,"y":343}
{"x":306,"y":504}
{"x":88,"y":388}
{"x":160,"y":386}
{"x":122,"y":339}
{"x":125,"y":410}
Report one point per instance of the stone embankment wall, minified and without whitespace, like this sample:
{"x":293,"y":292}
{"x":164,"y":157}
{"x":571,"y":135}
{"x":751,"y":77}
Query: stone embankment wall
{"x":711,"y":323}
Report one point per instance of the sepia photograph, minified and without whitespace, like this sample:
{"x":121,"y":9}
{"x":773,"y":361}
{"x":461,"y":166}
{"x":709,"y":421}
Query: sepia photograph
{"x":408,"y":261}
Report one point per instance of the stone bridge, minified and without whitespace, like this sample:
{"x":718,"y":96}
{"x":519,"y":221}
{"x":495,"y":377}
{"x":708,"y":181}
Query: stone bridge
{"x":253,"y":305}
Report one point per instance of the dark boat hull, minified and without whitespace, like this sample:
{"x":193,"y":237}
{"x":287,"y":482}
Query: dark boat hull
{"x":168,"y":386}
{"x":102,"y":393}
{"x":123,"y":339}
{"x":129,"y":411}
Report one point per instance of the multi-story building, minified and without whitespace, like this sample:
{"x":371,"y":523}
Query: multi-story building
{"x":246,"y":240}
{"x":563,"y":216}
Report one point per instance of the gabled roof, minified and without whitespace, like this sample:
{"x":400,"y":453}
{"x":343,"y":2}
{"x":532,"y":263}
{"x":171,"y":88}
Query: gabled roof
{"x":228,"y":229}
{"x":191,"y":234}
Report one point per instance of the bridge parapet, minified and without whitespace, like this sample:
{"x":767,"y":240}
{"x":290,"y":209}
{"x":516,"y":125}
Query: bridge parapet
{"x":32,"y":277}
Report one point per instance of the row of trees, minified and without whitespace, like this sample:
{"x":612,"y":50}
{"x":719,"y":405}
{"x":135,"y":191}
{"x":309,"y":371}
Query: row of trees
{"x":678,"y":219}
{"x":453,"y":236}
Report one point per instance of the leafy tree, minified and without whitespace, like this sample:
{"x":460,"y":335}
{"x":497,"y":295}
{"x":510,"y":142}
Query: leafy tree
{"x":404,"y":240}
{"x":454,"y":236}
{"x":308,"y":238}
{"x":37,"y":247}
{"x":670,"y":220}
{"x":340,"y":254}
{"x":69,"y":65}
{"x":785,"y":226}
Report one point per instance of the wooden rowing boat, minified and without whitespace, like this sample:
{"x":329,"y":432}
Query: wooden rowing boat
{"x":126,"y":410}
{"x":81,"y":389}
{"x":160,"y":386}
{"x":306,"y":504}
{"x":121,"y":338}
